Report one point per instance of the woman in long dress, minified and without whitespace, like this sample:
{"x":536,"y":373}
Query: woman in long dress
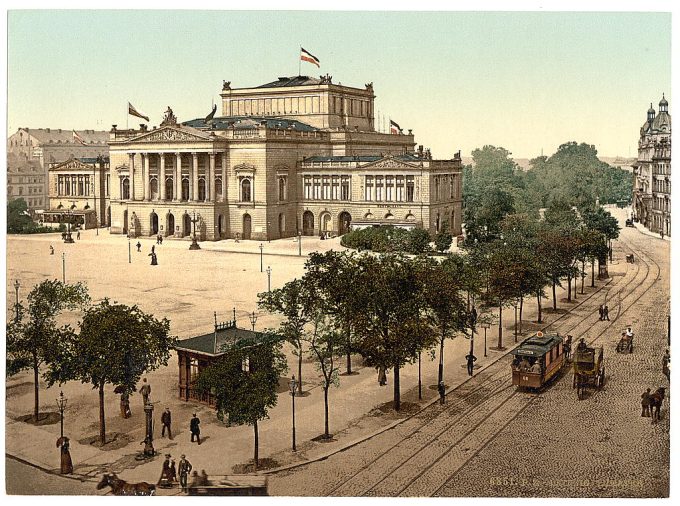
{"x":66,"y":463}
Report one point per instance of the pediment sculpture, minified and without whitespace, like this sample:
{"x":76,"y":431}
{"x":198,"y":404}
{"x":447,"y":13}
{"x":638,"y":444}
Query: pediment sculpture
{"x":169,"y":118}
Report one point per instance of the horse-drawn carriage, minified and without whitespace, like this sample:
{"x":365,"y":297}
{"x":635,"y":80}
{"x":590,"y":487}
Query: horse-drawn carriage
{"x":625,"y":344}
{"x":588,"y":366}
{"x":630,"y":258}
{"x":537,"y":360}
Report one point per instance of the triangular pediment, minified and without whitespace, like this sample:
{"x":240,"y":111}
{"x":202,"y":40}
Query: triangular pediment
{"x":72,"y":164}
{"x":172,"y":134}
{"x":389,"y":162}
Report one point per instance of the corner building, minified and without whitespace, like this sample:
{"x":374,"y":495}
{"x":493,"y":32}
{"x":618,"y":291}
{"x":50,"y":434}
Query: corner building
{"x":297,"y":155}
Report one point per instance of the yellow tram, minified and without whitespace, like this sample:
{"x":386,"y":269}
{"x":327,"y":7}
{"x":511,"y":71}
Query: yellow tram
{"x":537,"y":360}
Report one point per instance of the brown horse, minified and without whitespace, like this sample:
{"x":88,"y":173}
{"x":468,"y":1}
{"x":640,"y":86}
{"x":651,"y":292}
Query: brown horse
{"x":121,"y":487}
{"x":655,"y":403}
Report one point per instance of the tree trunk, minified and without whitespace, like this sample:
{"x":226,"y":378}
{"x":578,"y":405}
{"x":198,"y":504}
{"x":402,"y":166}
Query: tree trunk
{"x":102,"y":421}
{"x":500,"y":325}
{"x":300,"y":369}
{"x":36,"y":385}
{"x":349,"y":352}
{"x":583,"y":276}
{"x":440,"y":376}
{"x":257,"y":445}
{"x":397,"y":391}
{"x":568,"y":288}
{"x":521,"y":307}
{"x":325,"y":411}
{"x":592,"y":273}
{"x":540,"y":309}
{"x":554,"y":290}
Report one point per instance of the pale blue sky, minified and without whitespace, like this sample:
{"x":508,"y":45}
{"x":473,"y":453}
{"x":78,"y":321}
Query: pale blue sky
{"x":524,"y":81}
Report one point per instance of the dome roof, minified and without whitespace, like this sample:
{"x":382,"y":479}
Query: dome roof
{"x":651,"y":109}
{"x":663,"y":101}
{"x":662,"y":123}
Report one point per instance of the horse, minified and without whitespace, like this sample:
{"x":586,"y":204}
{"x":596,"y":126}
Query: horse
{"x":121,"y":487}
{"x":655,"y":402}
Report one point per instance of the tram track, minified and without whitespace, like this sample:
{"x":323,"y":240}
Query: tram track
{"x":385,"y":485}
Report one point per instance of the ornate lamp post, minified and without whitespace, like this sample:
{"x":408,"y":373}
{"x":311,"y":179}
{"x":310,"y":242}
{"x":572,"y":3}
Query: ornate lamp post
{"x":269,"y":278}
{"x":261,"y":258}
{"x":61,"y":406}
{"x":485,"y":325}
{"x":16,"y":305}
{"x":253,"y":319}
{"x":129,"y":250}
{"x":67,"y":239}
{"x":292,"y":386}
{"x":194,"y":244}
{"x":299,"y":243}
{"x":63,"y":268}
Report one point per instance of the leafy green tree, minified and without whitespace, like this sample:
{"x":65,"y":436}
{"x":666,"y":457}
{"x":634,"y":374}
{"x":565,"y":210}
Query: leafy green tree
{"x":35,"y":338}
{"x":18,"y":219}
{"x":443,"y":240}
{"x":418,"y":241}
{"x":296,"y":301}
{"x":116,"y":345}
{"x":244,"y":382}
{"x":389,"y":329}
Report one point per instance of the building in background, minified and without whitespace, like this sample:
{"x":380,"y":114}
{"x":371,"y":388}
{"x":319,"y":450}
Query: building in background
{"x":37,"y":148}
{"x":652,"y":172}
{"x":297,"y":155}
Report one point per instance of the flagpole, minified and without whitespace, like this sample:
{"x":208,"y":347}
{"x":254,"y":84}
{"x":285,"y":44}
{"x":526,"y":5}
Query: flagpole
{"x":127,"y":116}
{"x":300,"y":61}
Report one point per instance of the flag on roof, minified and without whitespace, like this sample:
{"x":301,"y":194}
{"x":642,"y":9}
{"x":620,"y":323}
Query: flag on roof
{"x":134,"y":112}
{"x":394,"y":128}
{"x":210,"y":116}
{"x":78,"y":138}
{"x":307,"y":56}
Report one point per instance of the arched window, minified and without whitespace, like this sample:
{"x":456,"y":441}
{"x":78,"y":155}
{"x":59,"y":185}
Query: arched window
{"x":245,"y":190}
{"x":201,"y":188}
{"x":185,"y":189}
{"x":218,"y":187}
{"x":153,"y":188}
{"x":282,"y":188}
{"x":169,"y":188}
{"x":124,"y":188}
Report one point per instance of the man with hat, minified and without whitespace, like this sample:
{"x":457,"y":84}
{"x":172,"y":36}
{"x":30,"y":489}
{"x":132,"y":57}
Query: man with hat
{"x":184,"y":469}
{"x":166,"y":420}
{"x":195,"y":430}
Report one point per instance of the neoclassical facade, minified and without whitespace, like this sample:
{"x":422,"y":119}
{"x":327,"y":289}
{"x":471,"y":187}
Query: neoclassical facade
{"x":652,"y":172}
{"x":294,"y":156}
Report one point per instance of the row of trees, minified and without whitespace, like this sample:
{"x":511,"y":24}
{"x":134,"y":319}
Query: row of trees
{"x":389,"y":239}
{"x":19,"y":220}
{"x":114,"y":345}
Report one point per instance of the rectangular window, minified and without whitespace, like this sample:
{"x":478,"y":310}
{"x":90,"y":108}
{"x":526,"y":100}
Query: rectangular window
{"x":378,"y":188}
{"x":452,"y":187}
{"x":308,"y":187}
{"x":389,"y":187}
{"x":326,"y":188}
{"x":369,"y":188}
{"x":60,"y":185}
{"x":317,"y":187}
{"x":344,"y":188}
{"x":336,"y":187}
{"x":87,"y":185}
{"x":67,"y":186}
{"x":80,"y":185}
{"x":400,"y":189}
{"x":410,"y":187}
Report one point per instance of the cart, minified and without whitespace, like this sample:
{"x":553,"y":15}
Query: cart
{"x":588,"y":367}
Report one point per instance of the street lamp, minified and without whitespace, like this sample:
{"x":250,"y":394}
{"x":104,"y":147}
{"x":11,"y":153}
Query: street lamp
{"x":129,"y":250}
{"x":485,"y":325}
{"x":261,"y":248}
{"x":253,"y":319}
{"x":269,"y":227}
{"x":292,"y":385}
{"x":63,"y":268}
{"x":299,"y":243}
{"x":16,"y":305}
{"x":269,"y":278}
{"x":194,"y":243}
{"x":61,"y":405}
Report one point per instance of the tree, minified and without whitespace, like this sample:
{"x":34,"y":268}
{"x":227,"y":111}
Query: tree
{"x":389,"y":328}
{"x":443,"y":240}
{"x":296,"y":301}
{"x":244,"y":382}
{"x":35,"y":338}
{"x":116,"y":345}
{"x":324,"y":341}
{"x":601,"y":220}
{"x":418,"y":241}
{"x":18,"y":219}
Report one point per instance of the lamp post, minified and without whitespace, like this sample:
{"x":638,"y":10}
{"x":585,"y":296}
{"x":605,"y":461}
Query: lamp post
{"x":194,"y":243}
{"x":269,"y":227}
{"x":16,"y":305}
{"x":261,"y":261}
{"x":269,"y":278}
{"x":129,"y":250}
{"x":253,"y":319}
{"x":63,"y":268}
{"x":61,"y":405}
{"x":299,"y":243}
{"x":485,"y":325}
{"x":292,"y":385}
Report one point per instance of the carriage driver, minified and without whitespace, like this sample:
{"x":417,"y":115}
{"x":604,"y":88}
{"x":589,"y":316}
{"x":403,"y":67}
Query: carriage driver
{"x":629,"y":332}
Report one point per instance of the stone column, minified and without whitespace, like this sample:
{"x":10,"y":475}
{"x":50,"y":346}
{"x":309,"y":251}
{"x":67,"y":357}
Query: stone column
{"x":161,"y":178}
{"x":193,"y":189}
{"x":145,"y":174}
{"x":132,"y":177}
{"x":224,"y":177}
{"x":178,"y":177}
{"x":210,"y":186}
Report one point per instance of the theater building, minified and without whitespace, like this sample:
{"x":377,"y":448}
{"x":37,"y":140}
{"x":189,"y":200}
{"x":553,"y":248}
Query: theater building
{"x":297,"y":155}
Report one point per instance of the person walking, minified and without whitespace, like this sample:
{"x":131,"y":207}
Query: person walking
{"x":646,"y":401}
{"x":51,"y":250}
{"x":145,"y":391}
{"x":166,"y":473}
{"x":601,"y":310}
{"x":160,"y":239}
{"x":471,"y":359}
{"x":139,"y":247}
{"x":166,"y":420}
{"x":195,"y":429}
{"x":606,"y":312}
{"x":78,"y":235}
{"x":184,"y":467}
{"x":442,"y":392}
{"x":382,"y":376}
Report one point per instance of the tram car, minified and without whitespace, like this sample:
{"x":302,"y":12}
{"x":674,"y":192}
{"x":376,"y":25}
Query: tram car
{"x":537,"y":360}
{"x":588,"y":366}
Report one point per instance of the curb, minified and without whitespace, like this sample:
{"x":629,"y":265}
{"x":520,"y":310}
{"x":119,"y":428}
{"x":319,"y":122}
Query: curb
{"x":644,"y":231}
{"x":28,"y":462}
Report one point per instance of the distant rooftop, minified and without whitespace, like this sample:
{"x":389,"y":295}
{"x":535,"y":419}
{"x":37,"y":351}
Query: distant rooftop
{"x":216,"y":343}
{"x":245,"y":122}
{"x":360,"y":158}
{"x":291,"y":81}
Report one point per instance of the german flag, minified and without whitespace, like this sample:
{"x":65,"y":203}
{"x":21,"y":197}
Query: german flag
{"x":309,"y":57}
{"x":78,"y":138}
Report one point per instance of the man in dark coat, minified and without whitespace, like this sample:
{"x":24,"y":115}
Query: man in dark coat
{"x":184,"y":469}
{"x":165,"y":481}
{"x":601,"y":310}
{"x":646,"y":401}
{"x":606,"y":313}
{"x":471,"y":359}
{"x":194,"y":428}
{"x":442,"y":392}
{"x":166,"y":420}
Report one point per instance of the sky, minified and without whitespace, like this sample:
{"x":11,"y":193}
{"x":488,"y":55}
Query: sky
{"x":526,"y":81}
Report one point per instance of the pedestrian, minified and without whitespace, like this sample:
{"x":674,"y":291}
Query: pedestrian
{"x":166,"y":420}
{"x":184,"y":469}
{"x":125,"y":404}
{"x":78,"y":235}
{"x":195,"y":429}
{"x":160,"y":238}
{"x":666,"y":362}
{"x":145,"y":391}
{"x":606,"y":312}
{"x":154,"y":258}
{"x":139,"y":247}
{"x":601,"y":312}
{"x":51,"y":250}
{"x":442,"y":392}
{"x":173,"y":472}
{"x":646,"y":401}
{"x":153,"y":248}
{"x":471,"y":359}
{"x":382,"y":376}
{"x":567,"y":347}
{"x":66,"y":462}
{"x":166,"y":473}
{"x":661,"y":233}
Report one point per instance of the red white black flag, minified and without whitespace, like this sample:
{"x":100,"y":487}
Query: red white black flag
{"x":307,"y":56}
{"x":394,"y":128}
{"x":78,"y":138}
{"x":134,"y":112}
